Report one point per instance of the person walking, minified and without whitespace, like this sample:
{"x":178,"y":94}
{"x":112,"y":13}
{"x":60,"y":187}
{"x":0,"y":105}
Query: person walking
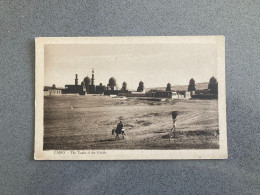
{"x":174,"y":124}
{"x":174,"y":119}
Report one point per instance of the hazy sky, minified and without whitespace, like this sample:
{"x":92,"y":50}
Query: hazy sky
{"x":154,"y":64}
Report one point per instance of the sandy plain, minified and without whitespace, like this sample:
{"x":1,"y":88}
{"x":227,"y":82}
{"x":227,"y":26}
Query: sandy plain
{"x":85,"y":122}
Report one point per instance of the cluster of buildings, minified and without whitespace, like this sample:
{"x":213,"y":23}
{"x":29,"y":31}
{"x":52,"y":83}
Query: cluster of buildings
{"x":88,"y":86}
{"x":156,"y":94}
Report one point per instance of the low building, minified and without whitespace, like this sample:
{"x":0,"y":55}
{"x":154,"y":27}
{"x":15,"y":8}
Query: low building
{"x":175,"y":95}
{"x":135,"y":94}
{"x":75,"y":89}
{"x":183,"y":94}
{"x":204,"y":94}
{"x":116,"y":92}
{"x":52,"y":92}
{"x":159,"y":94}
{"x":168,"y":94}
{"x":100,"y":89}
{"x":163,"y":94}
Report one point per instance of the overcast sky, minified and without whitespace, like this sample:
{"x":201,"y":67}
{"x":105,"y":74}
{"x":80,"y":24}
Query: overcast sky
{"x":154,"y":64}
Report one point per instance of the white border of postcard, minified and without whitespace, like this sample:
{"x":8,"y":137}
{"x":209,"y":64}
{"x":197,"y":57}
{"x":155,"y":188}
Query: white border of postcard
{"x":40,"y":154}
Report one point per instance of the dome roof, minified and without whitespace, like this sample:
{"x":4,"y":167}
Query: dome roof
{"x":86,"y":80}
{"x":192,"y":81}
{"x":112,"y":82}
{"x":112,"y":79}
{"x":213,"y":80}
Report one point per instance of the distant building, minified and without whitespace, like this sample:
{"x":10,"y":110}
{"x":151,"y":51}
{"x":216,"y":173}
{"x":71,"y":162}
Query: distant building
{"x":183,"y":94}
{"x":168,"y":94}
{"x":204,"y":94}
{"x":51,"y":91}
{"x":155,"y":94}
{"x":134,"y":94}
{"x":90,"y":86}
{"x":100,"y":89}
{"x":113,"y":91}
{"x":75,"y":89}
{"x":159,"y":94}
{"x":112,"y":84}
{"x":163,"y":94}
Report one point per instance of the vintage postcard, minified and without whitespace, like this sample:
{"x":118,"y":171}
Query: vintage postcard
{"x":130,"y":98}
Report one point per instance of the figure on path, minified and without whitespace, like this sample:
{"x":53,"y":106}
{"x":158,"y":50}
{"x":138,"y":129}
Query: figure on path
{"x":119,"y":129}
{"x":174,"y":119}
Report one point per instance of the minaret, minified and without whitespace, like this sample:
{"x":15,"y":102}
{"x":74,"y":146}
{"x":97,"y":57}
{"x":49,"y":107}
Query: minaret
{"x":92,"y":79}
{"x":76,"y":79}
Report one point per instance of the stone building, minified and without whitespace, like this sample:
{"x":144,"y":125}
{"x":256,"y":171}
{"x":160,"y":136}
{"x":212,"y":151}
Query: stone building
{"x":51,"y":91}
{"x":90,"y":86}
{"x":75,"y":89}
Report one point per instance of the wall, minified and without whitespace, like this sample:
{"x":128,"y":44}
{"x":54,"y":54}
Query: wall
{"x":53,"y":92}
{"x":75,"y":89}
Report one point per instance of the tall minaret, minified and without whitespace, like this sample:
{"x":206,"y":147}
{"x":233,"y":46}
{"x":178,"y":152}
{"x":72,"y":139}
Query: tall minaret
{"x":76,"y":79}
{"x":92,"y":79}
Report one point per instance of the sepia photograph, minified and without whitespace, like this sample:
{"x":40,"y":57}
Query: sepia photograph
{"x":130,"y":98}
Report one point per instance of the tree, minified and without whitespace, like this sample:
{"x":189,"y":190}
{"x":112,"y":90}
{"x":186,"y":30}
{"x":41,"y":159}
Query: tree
{"x":124,"y":86}
{"x":213,"y":85}
{"x":192,"y":85}
{"x":141,"y":86}
{"x":53,"y":86}
{"x":112,"y":83}
{"x":82,"y":83}
{"x":169,"y":87}
{"x":86,"y":81}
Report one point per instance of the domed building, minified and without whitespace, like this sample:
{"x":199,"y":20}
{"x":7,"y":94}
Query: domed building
{"x":112,"y":83}
{"x":75,"y":89}
{"x":124,"y":86}
{"x":86,"y":81}
{"x":90,"y":86}
{"x":141,"y":87}
{"x":87,"y":86}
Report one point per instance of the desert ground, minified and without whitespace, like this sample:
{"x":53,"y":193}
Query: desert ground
{"x":85,"y":122}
